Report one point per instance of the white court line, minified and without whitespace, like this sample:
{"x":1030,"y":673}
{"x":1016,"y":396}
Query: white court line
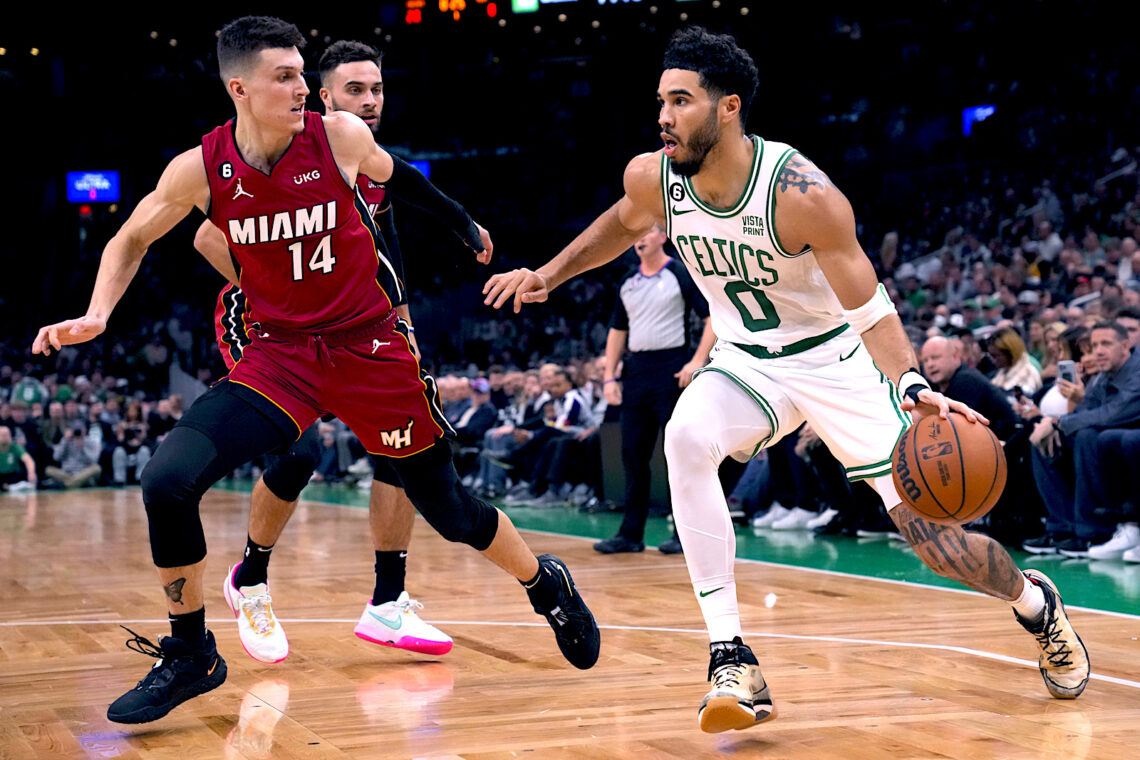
{"x":912,"y":584}
{"x":653,"y":629}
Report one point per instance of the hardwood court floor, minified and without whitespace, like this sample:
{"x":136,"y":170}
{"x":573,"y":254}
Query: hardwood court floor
{"x":859,"y":668}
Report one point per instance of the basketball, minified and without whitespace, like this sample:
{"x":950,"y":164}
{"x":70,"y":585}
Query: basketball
{"x":949,"y":471}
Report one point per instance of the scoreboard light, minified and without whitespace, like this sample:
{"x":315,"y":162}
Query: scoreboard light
{"x":524,"y":6}
{"x":93,"y":187}
{"x":413,"y":11}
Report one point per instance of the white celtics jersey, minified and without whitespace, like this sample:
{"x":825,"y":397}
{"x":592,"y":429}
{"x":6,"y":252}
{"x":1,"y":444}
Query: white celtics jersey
{"x":761,"y":296}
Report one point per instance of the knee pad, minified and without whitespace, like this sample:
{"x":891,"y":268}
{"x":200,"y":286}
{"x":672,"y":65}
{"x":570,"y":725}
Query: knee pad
{"x":172,"y":485}
{"x":433,"y":487}
{"x":289,"y":473}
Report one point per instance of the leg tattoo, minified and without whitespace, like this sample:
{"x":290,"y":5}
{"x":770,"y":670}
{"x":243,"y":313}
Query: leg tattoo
{"x":174,"y":590}
{"x":972,"y":559}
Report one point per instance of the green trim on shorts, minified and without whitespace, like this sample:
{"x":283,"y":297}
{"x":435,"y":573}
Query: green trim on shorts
{"x":760,"y":401}
{"x":865,"y":476}
{"x":856,"y":472}
{"x":792,"y":348}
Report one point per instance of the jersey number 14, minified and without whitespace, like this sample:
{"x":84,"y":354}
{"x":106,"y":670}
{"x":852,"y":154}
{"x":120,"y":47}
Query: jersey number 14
{"x":322,"y":259}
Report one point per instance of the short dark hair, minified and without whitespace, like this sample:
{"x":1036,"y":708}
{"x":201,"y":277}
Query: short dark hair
{"x":1129,"y":313}
{"x":1116,"y":327}
{"x":243,"y":38}
{"x":724,"y":67}
{"x":346,"y":51}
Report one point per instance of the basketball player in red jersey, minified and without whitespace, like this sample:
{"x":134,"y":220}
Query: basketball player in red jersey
{"x":279,"y":182}
{"x":350,"y":81}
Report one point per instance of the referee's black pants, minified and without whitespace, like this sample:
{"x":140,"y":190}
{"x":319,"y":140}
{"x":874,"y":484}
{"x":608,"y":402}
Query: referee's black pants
{"x":649,"y":393}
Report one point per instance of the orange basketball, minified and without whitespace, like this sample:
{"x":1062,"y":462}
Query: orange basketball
{"x":949,"y":471}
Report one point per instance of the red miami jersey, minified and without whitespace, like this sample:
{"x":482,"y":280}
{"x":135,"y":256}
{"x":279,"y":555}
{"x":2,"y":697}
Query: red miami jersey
{"x":303,"y":240}
{"x":374,"y":194}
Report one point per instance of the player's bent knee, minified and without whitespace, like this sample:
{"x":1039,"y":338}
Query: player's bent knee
{"x":172,"y":484}
{"x":686,"y":438}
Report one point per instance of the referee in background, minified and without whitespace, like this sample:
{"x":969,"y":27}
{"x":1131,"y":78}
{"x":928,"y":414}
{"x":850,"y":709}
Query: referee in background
{"x":651,"y":317}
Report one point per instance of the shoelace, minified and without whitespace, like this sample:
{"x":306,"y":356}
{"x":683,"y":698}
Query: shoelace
{"x":143,"y":645}
{"x":258,"y":609}
{"x":728,"y":676}
{"x":1049,"y":638}
{"x":409,"y":605}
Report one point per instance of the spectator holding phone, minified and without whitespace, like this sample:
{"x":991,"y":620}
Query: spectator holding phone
{"x":1067,"y":452}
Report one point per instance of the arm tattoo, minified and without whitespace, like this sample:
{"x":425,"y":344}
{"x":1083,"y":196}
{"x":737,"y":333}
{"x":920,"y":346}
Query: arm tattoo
{"x":174,"y":590}
{"x":972,"y":559}
{"x":796,"y":174}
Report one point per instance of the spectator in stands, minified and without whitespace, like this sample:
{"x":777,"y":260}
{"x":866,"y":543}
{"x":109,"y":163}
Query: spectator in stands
{"x":160,"y":422}
{"x":78,"y":457}
{"x":567,"y":414}
{"x":472,"y":425}
{"x":1066,"y":460}
{"x":131,"y":452}
{"x":1015,"y":370}
{"x":518,"y":420}
{"x":17,"y":469}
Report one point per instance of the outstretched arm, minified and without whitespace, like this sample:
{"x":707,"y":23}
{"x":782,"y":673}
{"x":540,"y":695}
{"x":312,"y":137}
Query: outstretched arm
{"x":356,"y":152}
{"x":810,"y":211}
{"x":603,"y":241}
{"x":182,"y":187}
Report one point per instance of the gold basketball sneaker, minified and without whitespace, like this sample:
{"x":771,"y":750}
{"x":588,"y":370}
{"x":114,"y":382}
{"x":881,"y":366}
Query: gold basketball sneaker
{"x":739,"y":696}
{"x":1064,"y":661}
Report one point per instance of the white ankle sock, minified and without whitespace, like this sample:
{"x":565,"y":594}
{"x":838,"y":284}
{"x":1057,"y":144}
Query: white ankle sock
{"x":1031,"y":604}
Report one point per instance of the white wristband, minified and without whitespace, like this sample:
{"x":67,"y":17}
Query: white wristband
{"x":868,"y":315}
{"x":912,"y":380}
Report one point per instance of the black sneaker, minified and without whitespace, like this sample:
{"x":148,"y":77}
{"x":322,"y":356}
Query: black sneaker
{"x":739,"y":697}
{"x":1046,"y":544}
{"x":672,"y":546}
{"x":618,"y":545}
{"x":181,"y":673}
{"x":1073,"y":547}
{"x":573,"y":623}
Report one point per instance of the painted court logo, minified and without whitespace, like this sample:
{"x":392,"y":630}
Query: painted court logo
{"x":400,"y":438}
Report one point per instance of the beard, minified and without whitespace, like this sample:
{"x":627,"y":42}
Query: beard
{"x":699,"y":144}
{"x":336,"y":107}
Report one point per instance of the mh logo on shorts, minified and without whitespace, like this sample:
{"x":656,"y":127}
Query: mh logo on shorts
{"x":400,"y":438}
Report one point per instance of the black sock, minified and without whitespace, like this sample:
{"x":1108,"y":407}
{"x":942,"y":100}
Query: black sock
{"x":190,"y":627}
{"x":391,"y":567}
{"x":255,"y":566}
{"x":542,"y":588}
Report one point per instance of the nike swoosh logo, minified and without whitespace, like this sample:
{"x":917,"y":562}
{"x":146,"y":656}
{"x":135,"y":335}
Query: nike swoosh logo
{"x":393,"y":624}
{"x":686,"y":211}
{"x":845,"y":358}
{"x":263,"y":550}
{"x":213,"y":667}
{"x":703,"y":594}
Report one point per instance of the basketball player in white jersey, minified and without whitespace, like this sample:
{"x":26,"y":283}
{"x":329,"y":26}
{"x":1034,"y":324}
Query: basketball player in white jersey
{"x":804,"y":329}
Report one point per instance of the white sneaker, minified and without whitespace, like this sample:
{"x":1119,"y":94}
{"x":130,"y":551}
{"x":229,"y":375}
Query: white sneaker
{"x":23,"y":485}
{"x":797,"y":519}
{"x":1132,"y":555}
{"x":823,"y":518}
{"x":1127,"y":536}
{"x":261,"y":635}
{"x":396,"y":624}
{"x":776,"y":512}
{"x":361,"y":468}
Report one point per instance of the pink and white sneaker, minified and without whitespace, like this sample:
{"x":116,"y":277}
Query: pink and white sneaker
{"x":396,"y":624}
{"x":261,"y":635}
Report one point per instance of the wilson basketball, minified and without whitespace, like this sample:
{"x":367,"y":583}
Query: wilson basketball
{"x":949,"y":471}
